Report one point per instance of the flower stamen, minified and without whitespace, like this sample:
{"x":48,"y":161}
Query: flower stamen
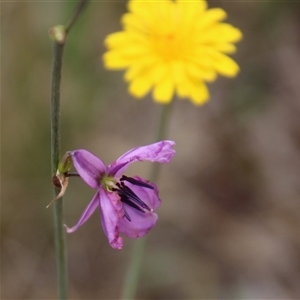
{"x":129,"y":197}
{"x":127,"y":201}
{"x":132,"y":196}
{"x":136,"y":182}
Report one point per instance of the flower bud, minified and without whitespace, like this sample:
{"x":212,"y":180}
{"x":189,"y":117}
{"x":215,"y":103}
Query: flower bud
{"x":58,"y":34}
{"x":65,"y":164}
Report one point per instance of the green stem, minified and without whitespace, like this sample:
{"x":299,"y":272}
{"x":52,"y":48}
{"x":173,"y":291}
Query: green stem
{"x":59,"y":34}
{"x":161,"y":135}
{"x":78,"y":11}
{"x":61,"y":264}
{"x":134,"y":266}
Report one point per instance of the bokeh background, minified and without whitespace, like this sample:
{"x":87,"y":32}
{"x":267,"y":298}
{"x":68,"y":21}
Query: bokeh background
{"x":229,"y":225}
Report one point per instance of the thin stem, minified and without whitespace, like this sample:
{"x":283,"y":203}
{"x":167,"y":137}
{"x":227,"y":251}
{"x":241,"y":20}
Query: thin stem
{"x":59,"y":34}
{"x":134,"y":266}
{"x":59,"y":238}
{"x":78,"y":11}
{"x":161,"y":135}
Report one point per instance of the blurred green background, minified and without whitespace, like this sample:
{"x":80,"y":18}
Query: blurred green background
{"x":230,"y":219}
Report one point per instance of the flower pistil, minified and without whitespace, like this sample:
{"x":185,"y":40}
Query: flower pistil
{"x":109,"y":183}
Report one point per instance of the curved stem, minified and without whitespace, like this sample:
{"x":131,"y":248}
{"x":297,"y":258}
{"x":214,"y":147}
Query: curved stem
{"x":134,"y":266}
{"x":78,"y":11}
{"x":59,"y":34}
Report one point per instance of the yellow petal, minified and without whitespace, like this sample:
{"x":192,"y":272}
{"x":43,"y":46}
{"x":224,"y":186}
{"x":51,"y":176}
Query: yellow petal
{"x":140,"y":86}
{"x":113,"y":60}
{"x":182,"y":89}
{"x":127,"y":40}
{"x":225,"y":47}
{"x":133,"y":51}
{"x":195,"y":90}
{"x":224,"y":64}
{"x":178,"y":71}
{"x":219,"y":33}
{"x":164,"y":90}
{"x":140,"y":8}
{"x":123,"y":56}
{"x":151,"y":12}
{"x":210,"y":17}
{"x":133,"y":71}
{"x":199,"y":93}
{"x":188,"y":13}
{"x":188,"y":8}
{"x":197,"y":72}
{"x":166,"y":19}
{"x":116,"y":39}
{"x":229,"y":33}
{"x":142,"y":65}
{"x":201,"y":56}
{"x":133,"y":22}
{"x":158,"y":71}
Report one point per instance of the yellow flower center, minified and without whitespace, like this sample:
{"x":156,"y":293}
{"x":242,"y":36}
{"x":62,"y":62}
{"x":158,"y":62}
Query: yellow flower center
{"x":168,"y":46}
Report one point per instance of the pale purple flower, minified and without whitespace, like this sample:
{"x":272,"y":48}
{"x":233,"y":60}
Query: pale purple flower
{"x":126,"y":204}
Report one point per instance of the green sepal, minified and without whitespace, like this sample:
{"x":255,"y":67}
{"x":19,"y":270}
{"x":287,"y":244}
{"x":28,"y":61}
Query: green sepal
{"x":65,"y":164}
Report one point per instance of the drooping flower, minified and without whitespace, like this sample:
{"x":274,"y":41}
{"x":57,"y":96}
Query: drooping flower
{"x":172,"y":47}
{"x":126,"y":204}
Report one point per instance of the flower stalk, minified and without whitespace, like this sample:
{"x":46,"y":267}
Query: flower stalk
{"x":58,"y":34}
{"x":59,"y":238}
{"x":135,"y":262}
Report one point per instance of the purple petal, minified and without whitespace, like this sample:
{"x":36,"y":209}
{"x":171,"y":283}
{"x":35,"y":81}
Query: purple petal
{"x":86,"y":214}
{"x":161,"y":152}
{"x":89,"y":167}
{"x":111,"y":211}
{"x":140,"y":222}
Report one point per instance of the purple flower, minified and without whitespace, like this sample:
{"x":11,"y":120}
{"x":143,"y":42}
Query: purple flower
{"x":126,"y":204}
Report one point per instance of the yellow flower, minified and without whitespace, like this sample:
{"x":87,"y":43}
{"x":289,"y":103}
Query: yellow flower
{"x":172,"y":47}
